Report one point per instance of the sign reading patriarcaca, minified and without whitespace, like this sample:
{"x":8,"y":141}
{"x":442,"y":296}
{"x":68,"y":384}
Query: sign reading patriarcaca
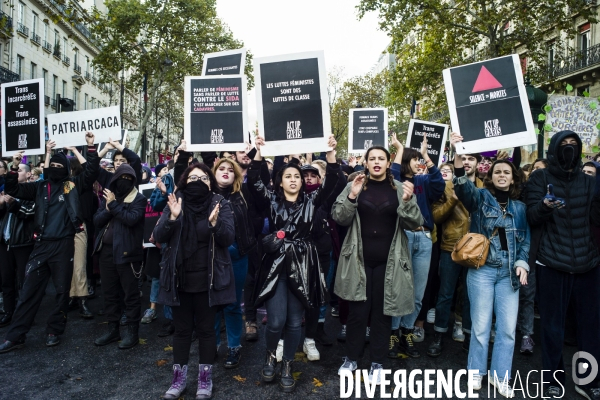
{"x":230,"y":62}
{"x":292,"y":103}
{"x":436,"y":138}
{"x":23,"y":117}
{"x":367,"y":127}
{"x":488,"y":105}
{"x":69,"y":128}
{"x":215,"y":117}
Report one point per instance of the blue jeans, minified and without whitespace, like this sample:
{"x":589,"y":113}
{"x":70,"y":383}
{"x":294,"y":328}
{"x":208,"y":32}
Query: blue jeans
{"x":328,"y":280}
{"x":449,"y":274}
{"x":491,"y":293}
{"x":154,"y":288}
{"x":234,"y":320}
{"x":419,"y":247}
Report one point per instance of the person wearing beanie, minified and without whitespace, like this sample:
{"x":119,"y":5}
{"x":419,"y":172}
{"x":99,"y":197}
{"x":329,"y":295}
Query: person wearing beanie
{"x":567,"y":258}
{"x":123,"y":155}
{"x":57,"y":219}
{"x":120,"y":221}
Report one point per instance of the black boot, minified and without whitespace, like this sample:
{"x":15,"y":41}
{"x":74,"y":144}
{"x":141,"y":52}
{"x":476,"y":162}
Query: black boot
{"x":467,"y":342}
{"x":167,"y":329}
{"x":130,"y":338}
{"x":287,"y":382}
{"x":436,"y":346}
{"x":72,"y":303}
{"x":84,"y":311}
{"x":111,"y":336}
{"x":268,"y":370}
{"x":5,"y":320}
{"x":321,"y":337}
{"x":393,"y":349}
{"x":407,"y":345}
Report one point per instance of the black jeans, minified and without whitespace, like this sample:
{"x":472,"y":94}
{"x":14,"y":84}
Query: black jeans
{"x":358,"y":317}
{"x":254,"y":264}
{"x":312,"y":314}
{"x":194,"y":312}
{"x":12,"y":270}
{"x":556,"y":288}
{"x":285,"y":320}
{"x":526,"y":302}
{"x":119,"y":280}
{"x":48,"y":259}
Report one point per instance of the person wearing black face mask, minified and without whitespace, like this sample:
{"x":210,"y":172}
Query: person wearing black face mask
{"x":57,"y":219}
{"x":120,"y":220}
{"x":567,"y":256}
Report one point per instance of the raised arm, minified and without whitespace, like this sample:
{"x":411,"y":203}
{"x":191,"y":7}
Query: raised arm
{"x":467,"y":193}
{"x":256,"y":186}
{"x":331,"y":175}
{"x":12,"y":187}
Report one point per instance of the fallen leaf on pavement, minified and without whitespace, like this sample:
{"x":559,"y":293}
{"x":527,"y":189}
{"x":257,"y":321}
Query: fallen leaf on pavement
{"x":169,"y":348}
{"x":239,"y":379}
{"x":317,"y":382}
{"x":143,"y":341}
{"x":160,"y":363}
{"x":296,"y":375}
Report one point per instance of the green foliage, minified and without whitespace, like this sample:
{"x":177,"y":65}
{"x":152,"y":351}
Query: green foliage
{"x":569,"y":88}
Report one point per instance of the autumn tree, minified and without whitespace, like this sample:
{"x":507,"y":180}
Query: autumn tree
{"x":431,"y":35}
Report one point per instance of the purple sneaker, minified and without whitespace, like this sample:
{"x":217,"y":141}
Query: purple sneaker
{"x":178,"y":384}
{"x":205,"y":384}
{"x":527,"y":345}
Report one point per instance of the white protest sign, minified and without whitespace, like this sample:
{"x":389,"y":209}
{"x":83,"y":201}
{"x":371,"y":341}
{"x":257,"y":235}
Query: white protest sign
{"x":574,"y":113}
{"x":292,"y":103}
{"x":69,"y":128}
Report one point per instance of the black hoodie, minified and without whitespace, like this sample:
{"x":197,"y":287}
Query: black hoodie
{"x":566,"y":242}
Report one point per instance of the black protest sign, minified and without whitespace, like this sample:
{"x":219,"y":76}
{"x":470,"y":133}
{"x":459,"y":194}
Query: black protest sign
{"x":367,"y":127}
{"x":229,"y":62}
{"x":152,"y":216}
{"x":292,"y":103}
{"x":23,"y":117}
{"x":215,"y":113}
{"x":436,"y":138}
{"x":488,"y":105}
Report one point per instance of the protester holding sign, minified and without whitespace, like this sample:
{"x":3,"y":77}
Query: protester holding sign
{"x":57,"y":220}
{"x":428,"y":189}
{"x":291,"y":279}
{"x":123,"y":155}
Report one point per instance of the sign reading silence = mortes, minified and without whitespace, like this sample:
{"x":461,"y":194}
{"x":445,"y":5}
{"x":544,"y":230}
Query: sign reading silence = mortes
{"x":68,"y":128}
{"x":436,"y":138}
{"x":367,"y":127}
{"x":215,"y":112}
{"x":230,"y":62}
{"x":292,"y":103}
{"x":23,"y":117}
{"x":488,"y":105}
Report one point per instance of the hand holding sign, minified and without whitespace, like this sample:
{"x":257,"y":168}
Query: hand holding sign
{"x":89,"y":138}
{"x":330,"y":155}
{"x":395,"y":142}
{"x":49,"y":146}
{"x":424,"y":148}
{"x":17,"y":157}
{"x":455,"y":138}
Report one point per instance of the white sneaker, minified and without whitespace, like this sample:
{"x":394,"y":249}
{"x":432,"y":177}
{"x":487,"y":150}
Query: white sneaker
{"x":475,"y":383}
{"x":431,"y":316}
{"x":503,"y":388}
{"x":279,"y":351}
{"x":310,"y":349}
{"x":375,"y":367}
{"x":419,"y":334}
{"x":457,"y":332}
{"x":348,"y":365}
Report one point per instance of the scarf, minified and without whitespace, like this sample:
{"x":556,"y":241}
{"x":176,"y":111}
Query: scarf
{"x":196,"y":202}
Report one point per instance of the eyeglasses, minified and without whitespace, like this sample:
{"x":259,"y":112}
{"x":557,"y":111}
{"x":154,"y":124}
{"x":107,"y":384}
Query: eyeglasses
{"x":446,"y":171}
{"x":194,"y":178}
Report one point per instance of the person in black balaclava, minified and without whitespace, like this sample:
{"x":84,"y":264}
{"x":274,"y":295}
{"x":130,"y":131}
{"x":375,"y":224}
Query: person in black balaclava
{"x":120,"y":221}
{"x":57,"y":219}
{"x":567,"y":257}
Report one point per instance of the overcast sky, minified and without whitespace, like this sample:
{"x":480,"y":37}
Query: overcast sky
{"x":272,"y":27}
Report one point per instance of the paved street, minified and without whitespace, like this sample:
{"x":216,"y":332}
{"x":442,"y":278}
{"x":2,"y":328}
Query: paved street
{"x":76,"y":369}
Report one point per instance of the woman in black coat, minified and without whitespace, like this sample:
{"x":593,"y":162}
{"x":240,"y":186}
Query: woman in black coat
{"x":196,"y":273}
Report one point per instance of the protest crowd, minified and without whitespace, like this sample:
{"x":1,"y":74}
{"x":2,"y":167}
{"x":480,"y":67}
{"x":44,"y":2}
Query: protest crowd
{"x":368,"y":240}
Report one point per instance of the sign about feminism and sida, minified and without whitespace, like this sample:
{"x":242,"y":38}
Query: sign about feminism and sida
{"x":367,"y":127}
{"x":488,"y":105}
{"x":215,"y":113}
{"x":69,"y":128}
{"x":436,"y":138}
{"x":23,"y":117}
{"x":292,"y":103}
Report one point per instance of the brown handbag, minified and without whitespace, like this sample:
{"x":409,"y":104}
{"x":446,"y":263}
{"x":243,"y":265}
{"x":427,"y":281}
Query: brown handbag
{"x":472,"y":250}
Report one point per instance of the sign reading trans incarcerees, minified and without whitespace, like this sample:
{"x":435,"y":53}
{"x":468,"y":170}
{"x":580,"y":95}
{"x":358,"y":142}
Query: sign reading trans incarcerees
{"x":23,"y":117}
{"x":292,"y":103}
{"x":69,"y":128}
{"x":367,"y":127}
{"x":436,"y":138}
{"x":215,"y":113}
{"x":488,"y":105}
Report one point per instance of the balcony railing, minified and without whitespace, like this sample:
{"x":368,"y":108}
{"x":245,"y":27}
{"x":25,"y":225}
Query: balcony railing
{"x":94,"y":80}
{"x":88,"y":76}
{"x":66,"y":60}
{"x":57,"y":54}
{"x":5,"y":21}
{"x":22,"y":29}
{"x":47,"y":46}
{"x":47,"y":100}
{"x":77,"y":69}
{"x":6,"y":75}
{"x":35,"y":38}
{"x":579,"y":60}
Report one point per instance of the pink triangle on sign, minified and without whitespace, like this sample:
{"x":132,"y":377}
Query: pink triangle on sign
{"x":485,"y":81}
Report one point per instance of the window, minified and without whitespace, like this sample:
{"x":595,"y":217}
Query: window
{"x":551,"y":56}
{"x":54,"y":86}
{"x":64,"y":90}
{"x":33,"y":71}
{"x":34,"y":23}
{"x":65,"y":44}
{"x":85,"y":101}
{"x":76,"y":58}
{"x":46,"y":29}
{"x":56,"y":41}
{"x":93,"y":102}
{"x":584,"y":37}
{"x":582,"y":89}
{"x":20,"y":66}
{"x":76,"y":96}
{"x":87,"y":64}
{"x":45,"y":76}
{"x":21,"y":13}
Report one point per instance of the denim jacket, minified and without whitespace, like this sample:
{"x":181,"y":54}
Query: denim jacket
{"x":486,"y":216}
